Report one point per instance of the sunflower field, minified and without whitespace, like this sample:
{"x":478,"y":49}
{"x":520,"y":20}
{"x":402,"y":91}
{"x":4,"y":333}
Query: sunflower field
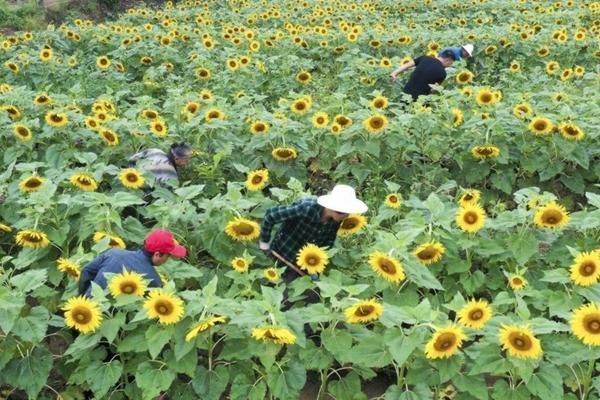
{"x":474,"y":274}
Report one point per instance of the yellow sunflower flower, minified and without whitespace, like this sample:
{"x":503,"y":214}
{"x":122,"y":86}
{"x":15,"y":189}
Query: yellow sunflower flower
{"x":570,"y":131}
{"x":284,"y":153}
{"x":551,"y":216}
{"x":519,"y":341}
{"x":56,"y":119}
{"x":109,"y":137}
{"x":320,"y":120}
{"x":5,"y":228}
{"x":445,"y":342}
{"x":240,"y":264}
{"x":203,"y":325}
{"x":522,"y":110}
{"x":82,"y":314}
{"x":31,"y":183}
{"x":363,"y":312}
{"x":483,"y":152}
{"x":300,"y":106}
{"x":165,"y":306}
{"x":517,"y":282}
{"x":585,"y":324}
{"x":388,"y":267}
{"x":103,"y":62}
{"x":375,"y":123}
{"x":150,"y":114}
{"x":585,"y":270}
{"x":475,"y":314}
{"x":393,"y":200}
{"x":457,"y":117}
{"x":69,"y":267}
{"x":22,"y":132}
{"x":32,"y":238}
{"x":380,"y":103}
{"x":84,"y":182}
{"x":304,"y":77}
{"x":540,"y":126}
{"x":259,"y":127}
{"x":257,"y":180}
{"x":485,"y":97}
{"x":343,"y":121}
{"x":274,"y":334}
{"x":352,"y":224}
{"x":429,"y":253}
{"x":131,"y":178}
{"x":271,"y":274}
{"x":159,"y":127}
{"x":128,"y":282}
{"x":470,"y":218}
{"x":469,"y":197}
{"x":242,"y":229}
{"x":213,"y":113}
{"x":312,"y":259}
{"x":114,"y":242}
{"x":464,"y":77}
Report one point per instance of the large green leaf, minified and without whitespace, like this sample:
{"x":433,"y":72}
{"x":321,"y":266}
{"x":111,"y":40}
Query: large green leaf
{"x":30,"y":372}
{"x":285,"y":383}
{"x":210,"y":384}
{"x":153,"y":378}
{"x":156,"y":338}
{"x":32,"y":327}
{"x":10,"y":308}
{"x":102,"y":376}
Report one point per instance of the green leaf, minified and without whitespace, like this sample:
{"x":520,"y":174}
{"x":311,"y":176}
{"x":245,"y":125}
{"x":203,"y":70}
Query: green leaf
{"x":82,"y":344}
{"x":593,"y":199}
{"x":209,"y":385}
{"x":421,"y":276}
{"x":32,"y":328}
{"x":189,"y":192}
{"x":29,"y":280}
{"x":547,"y":383}
{"x":287,"y":383}
{"x":110,"y":327}
{"x":156,"y":338}
{"x":523,"y":247}
{"x":102,"y":376}
{"x":314,"y":358}
{"x":152,"y":378}
{"x":124,"y":199}
{"x":371,"y":353}
{"x":448,"y":368}
{"x":402,"y":346}
{"x":337,"y":342}
{"x":559,"y":275}
{"x":243,"y":388}
{"x":474,"y":385}
{"x":348,"y":387}
{"x":10,"y":308}
{"x":29,"y":373}
{"x":134,"y":341}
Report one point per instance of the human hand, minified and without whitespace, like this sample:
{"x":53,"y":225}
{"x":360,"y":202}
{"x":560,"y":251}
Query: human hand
{"x":393,"y":77}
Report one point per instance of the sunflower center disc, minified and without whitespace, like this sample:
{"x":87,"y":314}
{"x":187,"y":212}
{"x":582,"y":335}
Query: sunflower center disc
{"x":256,"y":180}
{"x":519,"y":343}
{"x":128,"y":289}
{"x":364,"y":311}
{"x":588,"y":269}
{"x":470,"y":218}
{"x":312,"y":261}
{"x":594,"y":326}
{"x":477,"y":314}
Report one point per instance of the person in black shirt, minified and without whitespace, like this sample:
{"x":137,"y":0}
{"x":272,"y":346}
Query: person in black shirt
{"x":428,"y":72}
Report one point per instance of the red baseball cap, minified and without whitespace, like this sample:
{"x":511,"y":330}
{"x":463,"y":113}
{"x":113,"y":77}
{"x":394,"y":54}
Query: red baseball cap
{"x":162,"y":241}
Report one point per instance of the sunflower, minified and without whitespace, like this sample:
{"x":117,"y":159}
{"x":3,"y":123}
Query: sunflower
{"x":192,"y":107}
{"x":470,"y":218}
{"x":515,"y":66}
{"x":240,"y":264}
{"x":56,"y":119}
{"x":522,"y":110}
{"x":114,"y":242}
{"x":393,"y":200}
{"x":150,"y":114}
{"x":519,"y":341}
{"x":274,"y":334}
{"x":475,"y":314}
{"x":92,"y":123}
{"x":469,"y":197}
{"x":387,"y":267}
{"x":5,"y":228}
{"x":375,"y":123}
{"x":343,"y":120}
{"x":206,"y":95}
{"x":32,"y":238}
{"x":363,"y":312}
{"x":46,"y":54}
{"x":159,"y":127}
{"x":165,"y":306}
{"x":485,"y":97}
{"x":13,"y":67}
{"x":82,"y":314}
{"x":445,"y":342}
{"x":380,"y":103}
{"x":257,"y":180}
{"x":128,"y":282}
{"x":242,"y":229}
{"x":131,"y":178}
{"x":203,"y":325}
{"x":540,"y":126}
{"x":570,"y":131}
{"x":517,"y":282}
{"x":543,"y":51}
{"x":585,"y":270}
{"x":69,"y":267}
{"x":271,"y":274}
{"x":579,"y":70}
{"x":464,"y":77}
{"x":203,"y":74}
{"x":483,"y":152}
{"x":42,"y":100}
{"x":551,"y":216}
{"x":103,"y":62}
{"x":552,"y":67}
{"x":304,"y":77}
{"x":429,"y":253}
{"x":585,"y":324}
{"x":352,"y":224}
{"x":213,"y":113}
{"x":32,"y":183}
{"x":84,"y":182}
{"x":300,"y":106}
{"x":312,"y":258}
{"x":457,"y":117}
{"x":284,"y":153}
{"x":320,"y":120}
{"x":566,"y":74}
{"x":259,"y":127}
{"x":110,"y":137}
{"x":467,"y":92}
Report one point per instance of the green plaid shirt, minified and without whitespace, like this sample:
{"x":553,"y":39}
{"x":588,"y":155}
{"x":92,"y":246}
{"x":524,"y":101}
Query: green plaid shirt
{"x":300,"y":224}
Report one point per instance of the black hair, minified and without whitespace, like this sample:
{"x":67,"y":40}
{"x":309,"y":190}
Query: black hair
{"x":181,"y":150}
{"x":448,"y":54}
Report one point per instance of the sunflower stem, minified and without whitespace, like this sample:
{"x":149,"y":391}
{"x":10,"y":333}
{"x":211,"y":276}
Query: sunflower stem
{"x":210,"y":351}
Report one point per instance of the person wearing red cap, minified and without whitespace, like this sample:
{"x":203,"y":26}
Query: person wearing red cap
{"x":158,"y":246}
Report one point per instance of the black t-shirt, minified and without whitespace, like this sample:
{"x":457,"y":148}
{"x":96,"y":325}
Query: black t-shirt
{"x":428,"y":70}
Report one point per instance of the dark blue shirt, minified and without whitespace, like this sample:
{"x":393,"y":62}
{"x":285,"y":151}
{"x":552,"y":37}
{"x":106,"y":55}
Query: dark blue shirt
{"x":114,"y":261}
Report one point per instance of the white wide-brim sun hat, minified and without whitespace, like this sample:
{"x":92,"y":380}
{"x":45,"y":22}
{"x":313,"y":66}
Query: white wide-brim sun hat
{"x":469,"y":49}
{"x":342,"y":199}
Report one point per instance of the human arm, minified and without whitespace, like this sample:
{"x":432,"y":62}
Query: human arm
{"x":276,"y":215}
{"x":402,"y":68}
{"x":89,"y":272}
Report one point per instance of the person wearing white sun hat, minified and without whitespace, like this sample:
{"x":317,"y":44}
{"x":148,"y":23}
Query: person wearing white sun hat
{"x":312,"y":220}
{"x":465,"y":51}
